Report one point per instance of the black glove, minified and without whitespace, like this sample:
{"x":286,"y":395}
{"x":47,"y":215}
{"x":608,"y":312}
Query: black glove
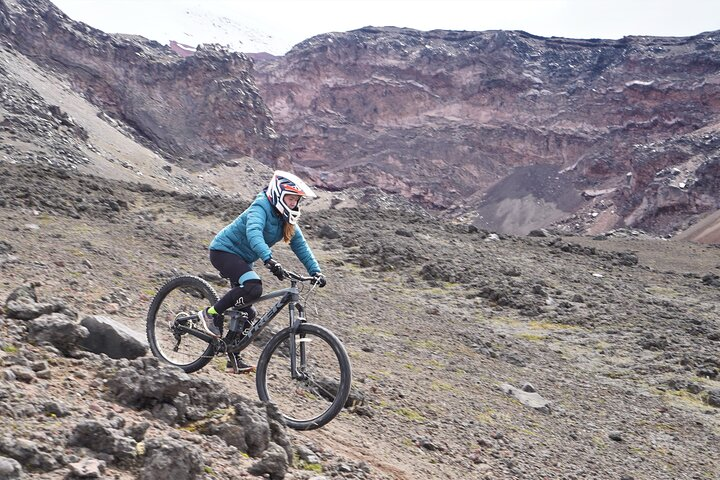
{"x":275,"y":268}
{"x":319,"y":280}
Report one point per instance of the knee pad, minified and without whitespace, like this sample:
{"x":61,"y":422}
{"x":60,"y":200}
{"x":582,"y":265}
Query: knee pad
{"x":253,"y":290}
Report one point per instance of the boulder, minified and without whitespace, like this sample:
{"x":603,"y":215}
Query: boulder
{"x":22,"y":303}
{"x":28,"y":453}
{"x":102,"y":438}
{"x":168,"y":392}
{"x":87,"y":468}
{"x":171,"y":458}
{"x":9,"y":469}
{"x":530,"y":399}
{"x":713,"y":398}
{"x":57,"y":329}
{"x":112,"y":338}
{"x":274,"y":463}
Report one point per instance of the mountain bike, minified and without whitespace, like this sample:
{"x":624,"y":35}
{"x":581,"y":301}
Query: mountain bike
{"x":304,"y":368}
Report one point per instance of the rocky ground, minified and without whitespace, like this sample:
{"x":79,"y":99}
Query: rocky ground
{"x":477,"y":355}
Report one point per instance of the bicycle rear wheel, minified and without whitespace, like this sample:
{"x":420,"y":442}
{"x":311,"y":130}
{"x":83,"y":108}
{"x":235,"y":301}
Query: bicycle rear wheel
{"x":175,"y":304}
{"x":320,"y":393}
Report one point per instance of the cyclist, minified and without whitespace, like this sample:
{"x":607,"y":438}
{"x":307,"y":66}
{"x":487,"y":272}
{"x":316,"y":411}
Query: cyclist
{"x":271,"y":217}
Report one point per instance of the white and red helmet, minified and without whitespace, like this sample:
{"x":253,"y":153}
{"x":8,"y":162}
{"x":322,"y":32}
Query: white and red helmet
{"x":283,"y":184}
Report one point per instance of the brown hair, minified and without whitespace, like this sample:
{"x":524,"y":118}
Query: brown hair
{"x":288,"y":231}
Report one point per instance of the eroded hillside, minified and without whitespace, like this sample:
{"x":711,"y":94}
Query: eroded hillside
{"x":618,"y":337}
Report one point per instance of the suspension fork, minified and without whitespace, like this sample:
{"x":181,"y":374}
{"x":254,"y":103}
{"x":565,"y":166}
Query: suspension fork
{"x":295,"y":322}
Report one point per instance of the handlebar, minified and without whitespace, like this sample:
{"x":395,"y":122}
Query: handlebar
{"x":300,"y":278}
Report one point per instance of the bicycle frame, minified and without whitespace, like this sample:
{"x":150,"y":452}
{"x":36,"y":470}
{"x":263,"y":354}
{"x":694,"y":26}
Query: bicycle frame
{"x":289,"y":297}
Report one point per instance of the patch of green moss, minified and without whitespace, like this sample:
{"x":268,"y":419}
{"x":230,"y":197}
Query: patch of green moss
{"x":218,"y":413}
{"x":537,"y":325}
{"x":485,"y":417}
{"x":441,"y":386}
{"x":532,"y":337}
{"x":410,"y":414}
{"x":313,"y":467}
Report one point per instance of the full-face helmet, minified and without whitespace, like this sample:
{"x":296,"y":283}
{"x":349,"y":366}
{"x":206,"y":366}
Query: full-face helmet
{"x":283,"y":184}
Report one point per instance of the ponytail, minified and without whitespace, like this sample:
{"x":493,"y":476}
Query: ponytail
{"x":288,"y":231}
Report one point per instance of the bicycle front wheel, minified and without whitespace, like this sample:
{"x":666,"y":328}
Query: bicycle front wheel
{"x":174,"y":305}
{"x":319,"y":390}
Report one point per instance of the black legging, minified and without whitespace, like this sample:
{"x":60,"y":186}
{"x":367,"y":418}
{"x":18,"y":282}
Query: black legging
{"x":233,"y":267}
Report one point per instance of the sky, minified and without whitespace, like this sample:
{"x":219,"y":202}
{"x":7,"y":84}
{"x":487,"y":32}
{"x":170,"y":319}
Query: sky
{"x":276,"y":25}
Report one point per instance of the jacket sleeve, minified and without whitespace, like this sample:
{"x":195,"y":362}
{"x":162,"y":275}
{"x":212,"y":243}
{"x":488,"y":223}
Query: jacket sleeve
{"x":303,"y":252}
{"x":254,"y":232}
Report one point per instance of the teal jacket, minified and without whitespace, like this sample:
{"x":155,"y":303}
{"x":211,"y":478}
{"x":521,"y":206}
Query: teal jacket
{"x":258,"y":228}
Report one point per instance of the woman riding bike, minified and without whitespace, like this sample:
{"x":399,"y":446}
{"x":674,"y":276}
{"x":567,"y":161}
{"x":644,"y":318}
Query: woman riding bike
{"x":271,"y":217}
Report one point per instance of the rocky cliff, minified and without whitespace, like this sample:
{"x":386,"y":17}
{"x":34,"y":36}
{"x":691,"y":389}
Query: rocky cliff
{"x":204,"y":107}
{"x":524,"y":131}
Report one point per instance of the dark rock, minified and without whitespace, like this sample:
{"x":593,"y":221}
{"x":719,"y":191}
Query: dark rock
{"x":59,"y":330}
{"x":274,"y":463}
{"x":306,"y":454}
{"x":251,"y":427}
{"x":528,"y":387}
{"x":56,"y":408}
{"x":627,"y":258}
{"x":327,"y":231}
{"x":213,"y":277}
{"x":10,"y":469}
{"x":539,"y":233}
{"x":27,"y":453}
{"x":172,"y":459}
{"x":5,"y":247}
{"x":22,"y":303}
{"x":428,"y":444}
{"x":112,"y":338}
{"x":255,"y":425}
{"x":24,"y":374}
{"x":167,"y":412}
{"x":651,"y":342}
{"x":137,"y":431}
{"x":153,"y":385}
{"x":24,"y":292}
{"x":713,"y":398}
{"x":27,"y":309}
{"x":101,"y":438}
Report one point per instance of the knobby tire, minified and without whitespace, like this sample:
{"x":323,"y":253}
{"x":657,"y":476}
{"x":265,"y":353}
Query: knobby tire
{"x":274,"y":383}
{"x":199,"y":294}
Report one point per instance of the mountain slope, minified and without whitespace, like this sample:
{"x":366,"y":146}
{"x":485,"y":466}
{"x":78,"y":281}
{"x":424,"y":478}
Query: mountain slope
{"x":442,"y":116}
{"x":204,"y":108}
{"x":437,"y":318}
{"x":445,"y":324}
